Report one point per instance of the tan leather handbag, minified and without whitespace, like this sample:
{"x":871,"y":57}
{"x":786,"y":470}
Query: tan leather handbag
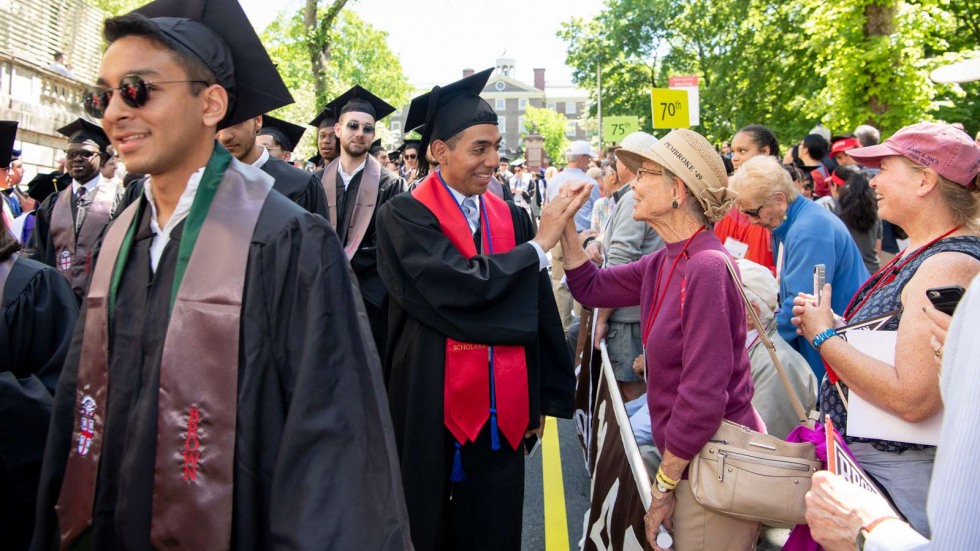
{"x":750,"y":475}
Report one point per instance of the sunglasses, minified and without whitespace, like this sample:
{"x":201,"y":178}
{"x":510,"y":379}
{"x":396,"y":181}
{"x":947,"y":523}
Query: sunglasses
{"x":754,"y":213}
{"x":410,"y":157}
{"x":83,"y":153}
{"x":133,"y":90}
{"x":354,"y":126}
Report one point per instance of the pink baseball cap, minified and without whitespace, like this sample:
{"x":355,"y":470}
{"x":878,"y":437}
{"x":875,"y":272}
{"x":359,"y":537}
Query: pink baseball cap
{"x":947,"y":150}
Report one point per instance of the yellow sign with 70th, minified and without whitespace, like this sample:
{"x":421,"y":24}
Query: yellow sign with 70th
{"x":670,"y":108}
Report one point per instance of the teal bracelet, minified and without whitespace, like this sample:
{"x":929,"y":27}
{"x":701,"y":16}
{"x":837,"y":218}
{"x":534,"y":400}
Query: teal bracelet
{"x":823,"y":336}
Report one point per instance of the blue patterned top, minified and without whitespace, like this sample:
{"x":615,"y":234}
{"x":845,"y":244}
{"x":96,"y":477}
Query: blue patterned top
{"x":885,"y":300}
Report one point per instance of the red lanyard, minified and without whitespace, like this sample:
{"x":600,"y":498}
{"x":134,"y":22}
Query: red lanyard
{"x":886,"y":275}
{"x":659,"y":301}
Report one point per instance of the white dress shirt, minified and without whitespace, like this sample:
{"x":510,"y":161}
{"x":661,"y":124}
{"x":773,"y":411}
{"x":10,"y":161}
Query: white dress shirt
{"x":348,"y":177}
{"x":162,"y":236}
{"x":542,"y":258}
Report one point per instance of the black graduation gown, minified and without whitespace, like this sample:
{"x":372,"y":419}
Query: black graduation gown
{"x":133,"y":192}
{"x":298,"y":185}
{"x":39,"y":313}
{"x":314,"y":465}
{"x":501,"y":299}
{"x":365,"y":260}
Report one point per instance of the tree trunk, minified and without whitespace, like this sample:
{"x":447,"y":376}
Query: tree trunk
{"x":318,"y":44}
{"x":880,"y":22}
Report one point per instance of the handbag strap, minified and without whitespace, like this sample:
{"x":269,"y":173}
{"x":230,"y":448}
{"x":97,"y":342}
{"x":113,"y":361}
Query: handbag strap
{"x":767,"y":342}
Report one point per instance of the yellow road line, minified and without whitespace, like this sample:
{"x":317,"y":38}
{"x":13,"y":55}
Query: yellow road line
{"x":555,"y":520}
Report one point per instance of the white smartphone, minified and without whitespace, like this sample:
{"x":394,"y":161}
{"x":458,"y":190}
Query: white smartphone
{"x":531,"y":445}
{"x":819,"y":279}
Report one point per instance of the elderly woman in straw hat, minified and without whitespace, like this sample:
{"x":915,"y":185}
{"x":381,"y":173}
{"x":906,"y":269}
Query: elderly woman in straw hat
{"x":692,"y":322}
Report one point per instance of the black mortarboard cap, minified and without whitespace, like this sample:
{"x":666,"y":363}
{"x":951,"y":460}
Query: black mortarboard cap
{"x":324,"y":118}
{"x":409,"y":143}
{"x":448,"y":110}
{"x":286,"y":133}
{"x":8,"y":133}
{"x":83,"y":131}
{"x":375,"y":147}
{"x":504,"y":159}
{"x":46,"y":183}
{"x":317,"y":160}
{"x":219,"y":34}
{"x":359,"y":99}
{"x":393,"y":156}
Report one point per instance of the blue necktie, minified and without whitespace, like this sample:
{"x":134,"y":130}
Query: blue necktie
{"x":472,"y":214}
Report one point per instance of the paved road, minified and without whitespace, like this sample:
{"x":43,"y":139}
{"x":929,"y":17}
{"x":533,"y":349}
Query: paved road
{"x":554,"y":512}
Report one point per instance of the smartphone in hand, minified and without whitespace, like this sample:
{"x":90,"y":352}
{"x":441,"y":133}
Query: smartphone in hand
{"x":819,"y":279}
{"x":945,"y":298}
{"x":531,"y":445}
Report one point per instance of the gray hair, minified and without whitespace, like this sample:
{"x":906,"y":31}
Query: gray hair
{"x":762,"y":175}
{"x":867,"y":135}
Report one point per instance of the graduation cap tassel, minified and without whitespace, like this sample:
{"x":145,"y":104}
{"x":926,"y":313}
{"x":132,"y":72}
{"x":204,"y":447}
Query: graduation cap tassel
{"x":494,"y":432}
{"x":457,"y":475}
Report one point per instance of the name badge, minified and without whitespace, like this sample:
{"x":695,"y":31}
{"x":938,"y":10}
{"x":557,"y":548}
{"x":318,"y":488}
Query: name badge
{"x":736,"y":248}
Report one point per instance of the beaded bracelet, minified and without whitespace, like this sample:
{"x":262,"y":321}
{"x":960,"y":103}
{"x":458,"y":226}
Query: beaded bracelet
{"x":823,"y":336}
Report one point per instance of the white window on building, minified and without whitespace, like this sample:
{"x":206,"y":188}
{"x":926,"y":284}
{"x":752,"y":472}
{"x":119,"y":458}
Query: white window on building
{"x":571,"y":128}
{"x":520,"y":124}
{"x":502,"y":124}
{"x":500,"y":104}
{"x":552,"y":106}
{"x":569,"y":107}
{"x":523,"y":103}
{"x":396,"y":126}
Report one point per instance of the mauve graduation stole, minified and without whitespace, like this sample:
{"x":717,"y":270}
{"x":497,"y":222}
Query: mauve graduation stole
{"x":73,"y":253}
{"x":194,"y":467}
{"x":472,"y":396}
{"x":367,"y":198}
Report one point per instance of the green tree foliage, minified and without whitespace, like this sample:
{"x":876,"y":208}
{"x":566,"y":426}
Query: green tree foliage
{"x":359,"y":54}
{"x":787,"y":65}
{"x":551,"y":125}
{"x":318,"y":23}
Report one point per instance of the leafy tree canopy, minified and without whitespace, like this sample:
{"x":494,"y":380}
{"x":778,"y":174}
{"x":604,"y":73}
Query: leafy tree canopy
{"x":551,"y":125}
{"x":787,"y":65}
{"x":359,"y":54}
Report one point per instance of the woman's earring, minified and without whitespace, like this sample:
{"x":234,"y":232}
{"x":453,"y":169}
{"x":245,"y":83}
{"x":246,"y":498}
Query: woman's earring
{"x":674,"y":204}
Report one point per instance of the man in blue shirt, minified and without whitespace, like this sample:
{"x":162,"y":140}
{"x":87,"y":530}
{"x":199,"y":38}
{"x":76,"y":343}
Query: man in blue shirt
{"x":578,"y":154}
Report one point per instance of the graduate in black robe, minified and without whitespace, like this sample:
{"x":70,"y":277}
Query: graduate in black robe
{"x":438,"y":294}
{"x":313,"y":464}
{"x":80,"y":173}
{"x":355,"y":149}
{"x":298,"y":185}
{"x":365,"y":260}
{"x":308,"y":418}
{"x":37,"y":315}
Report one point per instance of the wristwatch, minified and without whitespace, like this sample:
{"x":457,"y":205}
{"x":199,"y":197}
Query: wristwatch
{"x":865,"y":532}
{"x":663,"y":489}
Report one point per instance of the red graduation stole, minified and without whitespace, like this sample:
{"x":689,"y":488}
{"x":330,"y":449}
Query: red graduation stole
{"x":472,"y":395}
